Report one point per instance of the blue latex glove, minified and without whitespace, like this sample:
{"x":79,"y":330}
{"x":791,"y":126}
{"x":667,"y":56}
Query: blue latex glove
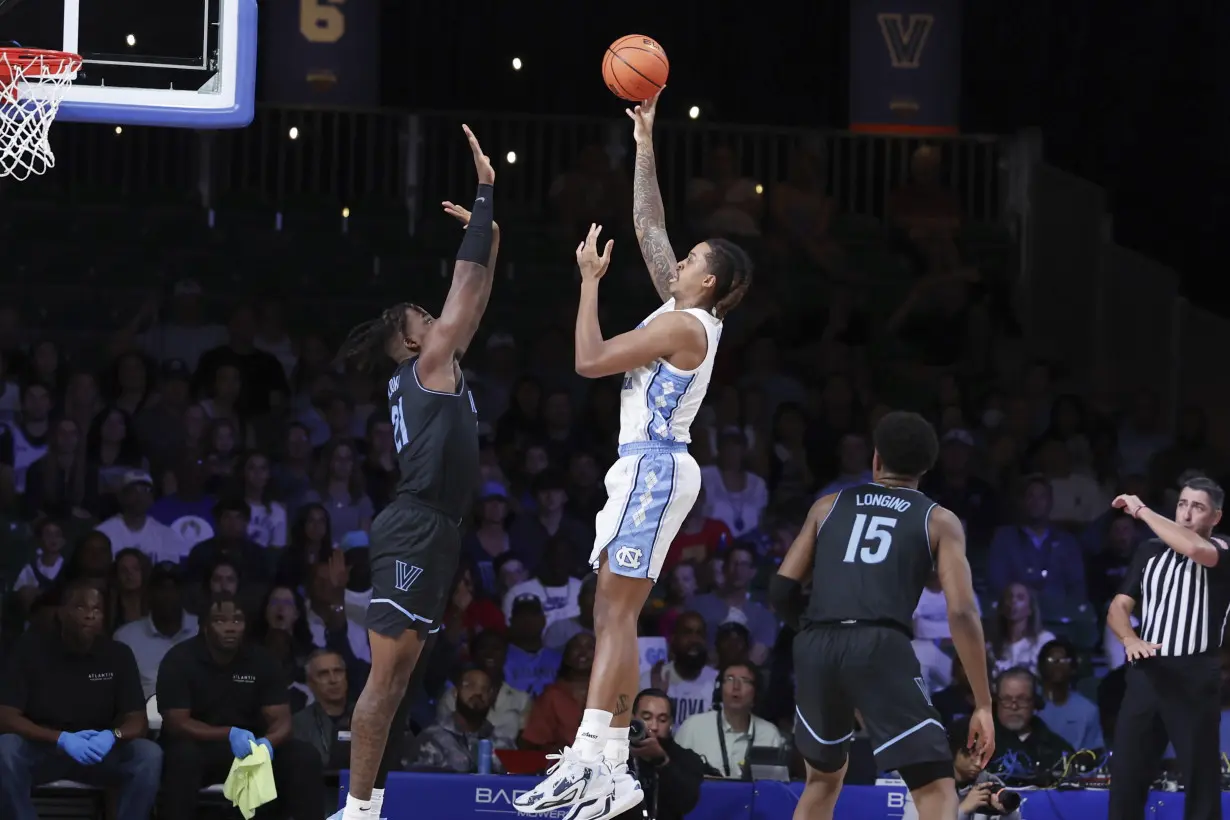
{"x":102,"y":742}
{"x":77,"y":746}
{"x":241,"y":740}
{"x":264,"y":741}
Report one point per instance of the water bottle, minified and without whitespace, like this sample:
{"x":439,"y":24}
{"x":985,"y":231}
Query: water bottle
{"x":484,"y":756}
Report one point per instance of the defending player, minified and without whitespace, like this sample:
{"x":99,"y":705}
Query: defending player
{"x":666,"y":362}
{"x":870,"y":550}
{"x":416,"y":540}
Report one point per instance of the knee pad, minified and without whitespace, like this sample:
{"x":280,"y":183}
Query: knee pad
{"x":917,"y":775}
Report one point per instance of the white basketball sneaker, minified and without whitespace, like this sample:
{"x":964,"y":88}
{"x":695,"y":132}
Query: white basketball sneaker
{"x":625,"y":793}
{"x":571,"y":782}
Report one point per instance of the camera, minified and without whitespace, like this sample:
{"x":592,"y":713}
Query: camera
{"x":1010,"y":800}
{"x":637,"y":731}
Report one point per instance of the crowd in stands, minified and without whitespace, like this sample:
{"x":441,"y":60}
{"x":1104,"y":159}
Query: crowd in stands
{"x":190,"y":517}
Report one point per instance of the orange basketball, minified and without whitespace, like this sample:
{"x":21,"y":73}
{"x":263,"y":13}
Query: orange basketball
{"x":635,"y":67}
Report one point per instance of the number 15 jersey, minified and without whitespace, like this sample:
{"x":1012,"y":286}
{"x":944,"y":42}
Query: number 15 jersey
{"x":436,"y":437}
{"x":873,"y":557}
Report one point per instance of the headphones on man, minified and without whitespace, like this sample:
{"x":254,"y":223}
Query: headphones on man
{"x":1035,"y":686}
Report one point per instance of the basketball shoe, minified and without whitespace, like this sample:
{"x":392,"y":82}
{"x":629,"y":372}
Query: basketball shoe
{"x":625,"y":793}
{"x":572,"y":783}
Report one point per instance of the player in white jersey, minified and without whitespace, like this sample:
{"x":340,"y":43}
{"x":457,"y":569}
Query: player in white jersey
{"x":666,"y":362}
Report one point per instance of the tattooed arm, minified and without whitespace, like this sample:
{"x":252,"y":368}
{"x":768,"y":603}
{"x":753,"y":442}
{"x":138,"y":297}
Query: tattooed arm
{"x":648,"y":214}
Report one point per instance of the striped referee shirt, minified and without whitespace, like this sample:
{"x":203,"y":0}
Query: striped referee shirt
{"x":1184,"y":606}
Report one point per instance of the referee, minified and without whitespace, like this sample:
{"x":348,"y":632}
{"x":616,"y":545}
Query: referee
{"x":1181,"y":579}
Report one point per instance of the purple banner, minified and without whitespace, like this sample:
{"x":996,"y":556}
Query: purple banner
{"x":905,"y":66}
{"x":320,"y":52}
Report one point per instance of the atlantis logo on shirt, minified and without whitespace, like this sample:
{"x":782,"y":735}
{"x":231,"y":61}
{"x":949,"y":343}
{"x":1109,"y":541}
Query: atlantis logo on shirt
{"x":243,"y":678}
{"x":100,"y":677}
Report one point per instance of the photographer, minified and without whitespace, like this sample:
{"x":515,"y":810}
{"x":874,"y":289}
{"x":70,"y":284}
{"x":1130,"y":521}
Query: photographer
{"x":669,"y":774}
{"x":982,"y":793}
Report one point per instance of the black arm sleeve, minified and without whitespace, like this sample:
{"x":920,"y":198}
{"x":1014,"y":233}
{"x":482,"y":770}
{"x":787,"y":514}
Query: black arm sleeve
{"x":786,"y":596}
{"x":476,"y":243}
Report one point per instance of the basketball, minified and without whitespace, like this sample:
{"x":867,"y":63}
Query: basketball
{"x":635,"y":67}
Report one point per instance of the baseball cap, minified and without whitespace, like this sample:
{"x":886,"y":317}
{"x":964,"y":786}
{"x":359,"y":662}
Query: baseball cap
{"x":492,"y":489}
{"x":525,"y":601}
{"x":187,"y":287}
{"x":355,"y":539}
{"x":165,"y":571}
{"x":136,"y":477}
{"x":734,"y":627}
{"x":175,"y":369}
{"x":960,"y":437}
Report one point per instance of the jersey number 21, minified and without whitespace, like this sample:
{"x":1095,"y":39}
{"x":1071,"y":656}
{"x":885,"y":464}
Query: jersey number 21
{"x":400,"y":437}
{"x":878,"y":529}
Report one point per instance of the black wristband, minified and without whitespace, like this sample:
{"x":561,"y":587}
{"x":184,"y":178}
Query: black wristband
{"x":476,"y":244}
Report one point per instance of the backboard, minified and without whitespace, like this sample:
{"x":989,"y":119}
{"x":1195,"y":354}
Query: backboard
{"x":180,"y":63}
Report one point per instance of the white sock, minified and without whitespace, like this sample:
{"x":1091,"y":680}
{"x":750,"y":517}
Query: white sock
{"x":377,"y":801}
{"x":357,"y":809}
{"x":616,"y":750}
{"x":592,"y":734}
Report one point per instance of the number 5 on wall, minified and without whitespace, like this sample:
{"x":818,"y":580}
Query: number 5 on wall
{"x":322,"y":21}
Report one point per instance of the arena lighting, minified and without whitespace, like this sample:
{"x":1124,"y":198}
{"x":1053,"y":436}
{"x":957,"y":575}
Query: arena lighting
{"x":516,"y":63}
{"x":694,"y":112}
{"x":511,"y":157}
{"x":345,"y":213}
{"x":119,"y":130}
{"x":131,"y":39}
{"x":759,"y":188}
{"x":293,"y":133}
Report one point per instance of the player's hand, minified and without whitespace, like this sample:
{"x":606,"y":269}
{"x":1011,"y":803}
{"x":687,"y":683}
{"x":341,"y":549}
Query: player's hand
{"x":981,"y":740}
{"x":1137,"y":648}
{"x":462,"y":215}
{"x":1130,"y":504}
{"x":977,"y":797}
{"x":642,"y":118}
{"x":482,"y":163}
{"x":593,"y":265}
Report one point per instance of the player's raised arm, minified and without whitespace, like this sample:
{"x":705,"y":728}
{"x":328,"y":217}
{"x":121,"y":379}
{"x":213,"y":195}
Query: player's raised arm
{"x":786,"y":587}
{"x":472,"y":273}
{"x":948,"y":545}
{"x":463,"y":216}
{"x":648,"y":214}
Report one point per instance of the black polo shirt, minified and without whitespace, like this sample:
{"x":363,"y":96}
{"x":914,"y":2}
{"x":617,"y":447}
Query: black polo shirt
{"x":59,"y":688}
{"x":231,"y":694}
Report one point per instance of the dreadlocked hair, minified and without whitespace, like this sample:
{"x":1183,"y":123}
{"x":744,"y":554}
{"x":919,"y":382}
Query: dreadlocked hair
{"x":732,"y":267}
{"x":364,"y":347}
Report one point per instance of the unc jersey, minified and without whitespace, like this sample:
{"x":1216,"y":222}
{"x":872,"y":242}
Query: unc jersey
{"x":873,"y":557}
{"x":655,"y":482}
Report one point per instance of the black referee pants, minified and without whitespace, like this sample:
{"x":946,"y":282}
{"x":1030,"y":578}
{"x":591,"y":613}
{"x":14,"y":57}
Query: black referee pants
{"x":1179,"y":697}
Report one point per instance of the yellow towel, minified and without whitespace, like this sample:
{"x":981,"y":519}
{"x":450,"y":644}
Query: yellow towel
{"x":250,"y":783}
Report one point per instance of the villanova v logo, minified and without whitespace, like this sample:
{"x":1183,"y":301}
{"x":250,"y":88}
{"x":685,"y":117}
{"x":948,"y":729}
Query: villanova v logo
{"x":922,"y":687}
{"x":906,"y":37}
{"x":407,"y":574}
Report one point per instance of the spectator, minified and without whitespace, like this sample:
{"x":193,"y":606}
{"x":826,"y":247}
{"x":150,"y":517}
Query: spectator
{"x":129,"y":598}
{"x":282,"y":630}
{"x":954,"y":486}
{"x":133,"y":526}
{"x":339,"y":487}
{"x":1109,"y":565}
{"x":733,"y":644}
{"x":510,"y":706}
{"x":1018,"y":728}
{"x":670,"y":775}
{"x":185,"y":507}
{"x":166,"y":625}
{"x":467,"y":615}
{"x":956,"y":701}
{"x":261,"y":375}
{"x":509,"y":572}
{"x":735,"y":496}
{"x":267,"y":526}
{"x":327,"y":621}
{"x":732,"y":602}
{"x":790,"y":473}
{"x":853,"y":464}
{"x":530,"y":666}
{"x":561,"y":631}
{"x":325,"y":724}
{"x":380,"y":470}
{"x":219,"y":698}
{"x":1068,"y":713}
{"x":586,"y":491}
{"x":23,"y":441}
{"x":61,"y":483}
{"x":931,"y":614}
{"x":1141,"y":436}
{"x":531,"y":534}
{"x":231,"y":519}
{"x":1078,"y":499}
{"x":556,"y":714}
{"x":160,"y":423}
{"x":1017,"y":636}
{"x":292,"y":474}
{"x":687,"y":678}
{"x":489,"y":539}
{"x":37,"y":576}
{"x":311,"y":541}
{"x":681,"y":586}
{"x":112,"y":450}
{"x":700,"y":537}
{"x":723,"y":737}
{"x":553,"y":584}
{"x":452,"y":743}
{"x":977,"y":788}
{"x":723,"y":202}
{"x":71,"y":709}
{"x":1036,"y":554}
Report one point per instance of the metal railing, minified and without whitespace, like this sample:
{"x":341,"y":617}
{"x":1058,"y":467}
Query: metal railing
{"x":390,"y":159}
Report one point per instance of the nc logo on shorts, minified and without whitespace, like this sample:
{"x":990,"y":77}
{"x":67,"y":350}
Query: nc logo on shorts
{"x":628,"y":557}
{"x":407,"y":574}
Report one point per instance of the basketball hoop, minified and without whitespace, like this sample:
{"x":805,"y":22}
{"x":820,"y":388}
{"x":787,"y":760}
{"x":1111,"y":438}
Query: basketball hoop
{"x":32,"y":83}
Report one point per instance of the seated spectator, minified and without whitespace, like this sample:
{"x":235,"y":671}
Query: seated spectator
{"x":733,"y":644}
{"x":1068,"y":713}
{"x":1036,"y":554}
{"x":71,"y":708}
{"x":687,"y":678}
{"x":556,"y":714}
{"x":23,"y":441}
{"x":732,"y":603}
{"x":339,"y":485}
{"x":553,"y":585}
{"x":561,"y":631}
{"x":700,"y":537}
{"x":931,"y":614}
{"x":489,"y":539}
{"x":311,"y":541}
{"x":723,"y":737}
{"x":1078,"y":498}
{"x":530,"y":666}
{"x":734,"y":495}
{"x":977,"y":788}
{"x":60,"y":483}
{"x":1018,"y":728}
{"x":586,"y":491}
{"x":1017,"y":636}
{"x":166,"y":625}
{"x":38,"y":575}
{"x":853,"y":464}
{"x":1110,"y":564}
{"x":723,"y":202}
{"x":282,"y":630}
{"x":465,"y":617}
{"x":670,"y":775}
{"x":510,"y":570}
{"x":327,"y":621}
{"x":954,"y":486}
{"x":956,"y":701}
{"x":112,"y":448}
{"x":452,"y":743}
{"x":133,"y":526}
{"x":231,"y":520}
{"x":681,"y":584}
{"x":510,"y":707}
{"x":267,"y":525}
{"x":325,"y":725}
{"x":532,"y":533}
{"x":129,"y":587}
{"x":185,"y":507}
{"x":220,"y":697}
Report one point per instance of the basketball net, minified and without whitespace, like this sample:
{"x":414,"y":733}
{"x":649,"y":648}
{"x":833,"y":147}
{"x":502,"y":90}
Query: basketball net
{"x":32,"y":84}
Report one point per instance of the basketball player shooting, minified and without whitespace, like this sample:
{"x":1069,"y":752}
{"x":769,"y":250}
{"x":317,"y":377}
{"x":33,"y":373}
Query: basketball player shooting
{"x":416,"y":540}
{"x":870,"y":550}
{"x":666,"y":362}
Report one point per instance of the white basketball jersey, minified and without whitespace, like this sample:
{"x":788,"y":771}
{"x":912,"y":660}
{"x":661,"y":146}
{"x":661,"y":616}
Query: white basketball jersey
{"x":658,"y":402}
